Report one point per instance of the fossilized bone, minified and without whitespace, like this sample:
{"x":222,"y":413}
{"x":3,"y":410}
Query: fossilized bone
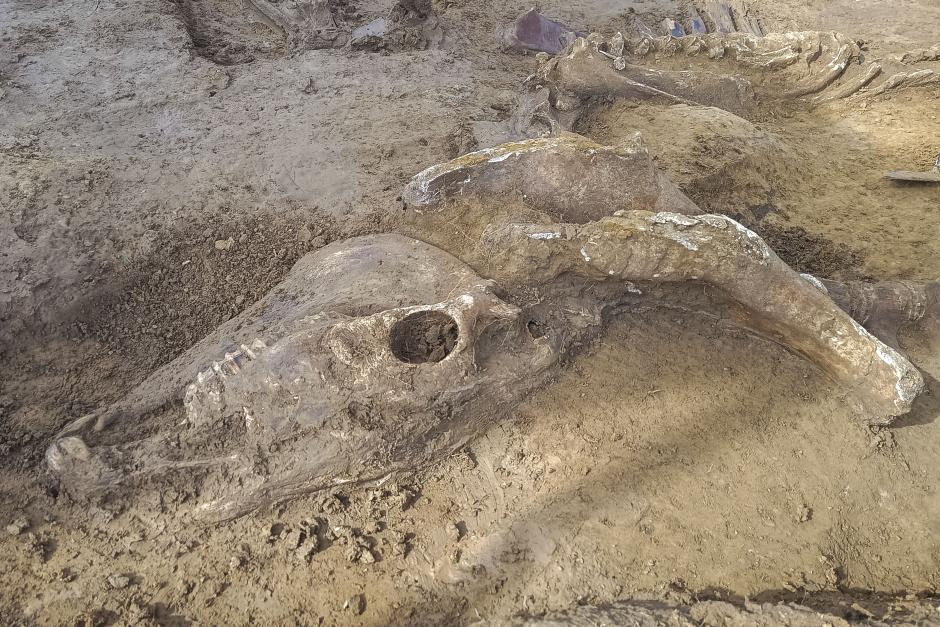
{"x":905,"y":176}
{"x":594,"y":67}
{"x":305,"y":25}
{"x":886,"y":307}
{"x":386,"y":352}
{"x":310,"y":25}
{"x":781,"y":66}
{"x":665,"y":246}
{"x":806,"y":62}
{"x":409,"y":25}
{"x":573,"y":90}
{"x":319,"y":383}
{"x":569,"y":178}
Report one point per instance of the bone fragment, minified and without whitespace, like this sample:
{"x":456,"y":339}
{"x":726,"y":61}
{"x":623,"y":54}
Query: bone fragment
{"x":921,"y":55}
{"x":696,"y":25}
{"x":887,"y":307}
{"x":906,"y":79}
{"x":850,"y":87}
{"x":833,"y":70}
{"x":584,"y":71}
{"x":720,"y":15}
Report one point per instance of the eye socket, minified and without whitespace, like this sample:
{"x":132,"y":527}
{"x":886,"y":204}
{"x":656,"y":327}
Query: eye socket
{"x":423,"y":337}
{"x":536,"y":329}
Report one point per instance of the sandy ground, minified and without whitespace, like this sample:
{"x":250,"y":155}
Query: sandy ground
{"x":149,"y":192}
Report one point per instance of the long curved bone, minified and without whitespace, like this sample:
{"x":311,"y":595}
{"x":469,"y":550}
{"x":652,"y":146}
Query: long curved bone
{"x":638,"y":246}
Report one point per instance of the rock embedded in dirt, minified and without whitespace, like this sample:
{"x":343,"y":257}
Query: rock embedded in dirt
{"x":18,"y":526}
{"x":294,"y":539}
{"x":399,"y":541}
{"x":409,"y":25}
{"x":274,"y":531}
{"x":306,"y":551}
{"x":119,"y":582}
{"x":355,"y":604}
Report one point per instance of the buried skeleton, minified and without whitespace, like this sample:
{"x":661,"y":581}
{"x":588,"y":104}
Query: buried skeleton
{"x":387,"y":352}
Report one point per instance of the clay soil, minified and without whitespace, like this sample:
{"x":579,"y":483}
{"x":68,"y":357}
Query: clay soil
{"x":164,"y":163}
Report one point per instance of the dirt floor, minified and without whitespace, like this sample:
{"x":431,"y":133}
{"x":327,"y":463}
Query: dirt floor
{"x":164,"y":163}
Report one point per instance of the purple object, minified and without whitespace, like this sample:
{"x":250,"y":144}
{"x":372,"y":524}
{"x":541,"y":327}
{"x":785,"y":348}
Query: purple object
{"x":696,"y":23}
{"x":673,"y":28}
{"x":533,"y":31}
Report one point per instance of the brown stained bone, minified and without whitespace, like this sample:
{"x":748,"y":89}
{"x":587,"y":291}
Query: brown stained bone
{"x":640,"y":246}
{"x":829,"y":65}
{"x":720,"y":15}
{"x":920,"y":55}
{"x":569,"y":176}
{"x":918,"y":78}
{"x":815,"y":66}
{"x":585,"y":70}
{"x":777,"y":301}
{"x":306,"y":390}
{"x":850,"y":87}
{"x":887,"y":307}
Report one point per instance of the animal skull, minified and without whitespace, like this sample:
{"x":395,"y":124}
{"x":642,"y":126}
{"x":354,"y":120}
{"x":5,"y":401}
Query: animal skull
{"x":385,"y":352}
